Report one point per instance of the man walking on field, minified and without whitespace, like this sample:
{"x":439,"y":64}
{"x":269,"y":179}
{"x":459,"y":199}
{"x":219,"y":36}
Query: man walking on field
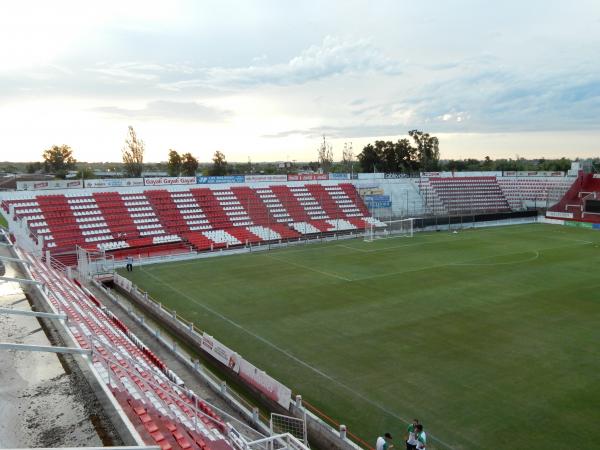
{"x":411,"y":438}
{"x":421,"y":437}
{"x":384,"y":443}
{"x":129,"y":264}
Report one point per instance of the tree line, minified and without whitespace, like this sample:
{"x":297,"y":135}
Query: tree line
{"x":59,"y":160}
{"x":419,"y":152}
{"x":403,"y":156}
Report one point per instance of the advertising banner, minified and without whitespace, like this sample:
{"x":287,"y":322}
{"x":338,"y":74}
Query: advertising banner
{"x":220,"y":352}
{"x":307,"y":177}
{"x":395,"y":175}
{"x":571,"y":223}
{"x":370,"y":191}
{"x":48,"y":184}
{"x":339,"y":176}
{"x":265,"y":178}
{"x":559,"y":214}
{"x":533,"y":173}
{"x":443,"y":174}
{"x":166,"y":181}
{"x":224,"y":179}
{"x":117,"y":182}
{"x":378,"y":201}
{"x":269,"y":386}
{"x":371,"y":176}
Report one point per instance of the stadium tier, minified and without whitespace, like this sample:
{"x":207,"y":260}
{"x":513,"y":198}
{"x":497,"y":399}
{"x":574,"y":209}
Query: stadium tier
{"x":156,"y":221}
{"x":580,"y":203}
{"x":163,"y":412}
{"x":467,"y":195}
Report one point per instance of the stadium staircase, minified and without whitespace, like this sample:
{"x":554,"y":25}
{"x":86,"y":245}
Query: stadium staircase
{"x":152,"y":396}
{"x":159,"y":221}
{"x":573,"y":202}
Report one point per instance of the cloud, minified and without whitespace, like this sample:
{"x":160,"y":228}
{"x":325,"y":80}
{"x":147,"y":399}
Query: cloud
{"x":349,"y":131}
{"x":484,"y":101}
{"x":332,"y":57}
{"x":487,"y":99}
{"x":163,"y":109}
{"x":143,"y":79}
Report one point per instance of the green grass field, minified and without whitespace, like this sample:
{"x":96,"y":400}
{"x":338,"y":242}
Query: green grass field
{"x":491,"y":336}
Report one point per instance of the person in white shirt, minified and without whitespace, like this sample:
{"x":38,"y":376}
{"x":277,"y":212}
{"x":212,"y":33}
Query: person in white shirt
{"x":384,"y":443}
{"x":411,"y":438}
{"x":421,"y":437}
{"x":129,"y":264}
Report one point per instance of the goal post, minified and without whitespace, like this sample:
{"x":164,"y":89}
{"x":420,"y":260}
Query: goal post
{"x":287,"y":424}
{"x":377,"y":229}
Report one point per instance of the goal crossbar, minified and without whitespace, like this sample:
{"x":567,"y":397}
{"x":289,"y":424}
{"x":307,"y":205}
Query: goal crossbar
{"x":378,"y":229}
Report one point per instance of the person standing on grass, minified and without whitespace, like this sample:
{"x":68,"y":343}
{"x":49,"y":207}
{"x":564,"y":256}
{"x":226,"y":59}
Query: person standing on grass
{"x":129,"y":264}
{"x":421,"y":437}
{"x":384,"y":443}
{"x":411,"y":438}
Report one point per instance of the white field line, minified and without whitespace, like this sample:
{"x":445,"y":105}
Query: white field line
{"x":356,"y":249}
{"x":292,"y":357}
{"x":414,"y":244}
{"x":302,"y":266}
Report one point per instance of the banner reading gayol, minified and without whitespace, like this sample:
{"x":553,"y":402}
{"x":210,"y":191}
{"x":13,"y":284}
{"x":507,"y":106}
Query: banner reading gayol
{"x":165,"y":181}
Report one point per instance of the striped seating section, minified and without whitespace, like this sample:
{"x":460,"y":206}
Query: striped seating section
{"x":162,"y":410}
{"x":157,"y":220}
{"x":522,"y":192}
{"x":464,"y":195}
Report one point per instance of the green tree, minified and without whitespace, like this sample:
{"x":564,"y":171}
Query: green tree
{"x":406,"y":156}
{"x":428,"y":150}
{"x":219,"y":166}
{"x":325,"y":152}
{"x":347,"y":163}
{"x":59,"y":160}
{"x":488,"y":164}
{"x":133,"y":154}
{"x":189,"y":165}
{"x":174,"y":164}
{"x":370,"y":158}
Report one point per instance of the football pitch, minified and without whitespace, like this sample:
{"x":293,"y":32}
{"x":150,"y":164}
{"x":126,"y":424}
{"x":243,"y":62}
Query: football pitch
{"x":491,"y":337}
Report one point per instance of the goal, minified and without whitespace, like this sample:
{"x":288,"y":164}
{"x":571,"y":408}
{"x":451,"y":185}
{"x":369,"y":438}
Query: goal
{"x":392,"y":228}
{"x":286,"y":424}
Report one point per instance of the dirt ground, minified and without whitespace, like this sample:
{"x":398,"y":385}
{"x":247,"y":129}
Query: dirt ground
{"x":43,"y":402}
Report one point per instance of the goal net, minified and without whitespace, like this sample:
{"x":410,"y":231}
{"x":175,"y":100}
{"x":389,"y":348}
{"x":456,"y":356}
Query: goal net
{"x":93,"y":263}
{"x":285,"y":424}
{"x":392,"y":228}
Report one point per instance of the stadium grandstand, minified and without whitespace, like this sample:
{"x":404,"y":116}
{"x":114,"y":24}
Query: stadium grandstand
{"x":151,"y":221}
{"x":51,"y":232}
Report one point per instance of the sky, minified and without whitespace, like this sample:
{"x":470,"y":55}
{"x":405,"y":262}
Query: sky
{"x":267,"y":79}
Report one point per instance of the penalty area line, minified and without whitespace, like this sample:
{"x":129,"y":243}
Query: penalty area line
{"x":292,"y":357}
